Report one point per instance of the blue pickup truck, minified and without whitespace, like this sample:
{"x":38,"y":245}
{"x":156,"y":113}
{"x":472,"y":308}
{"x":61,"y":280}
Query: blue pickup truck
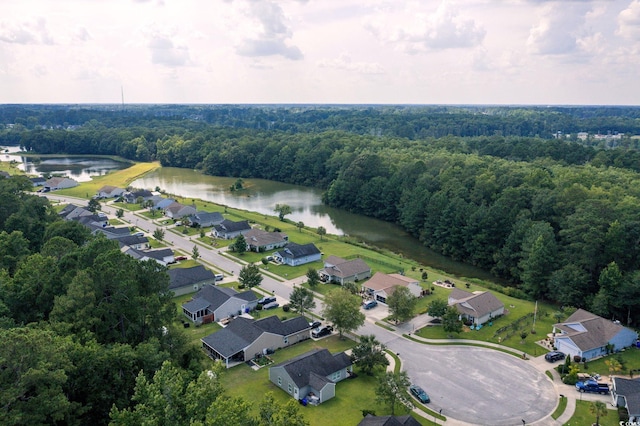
{"x":592,"y":386}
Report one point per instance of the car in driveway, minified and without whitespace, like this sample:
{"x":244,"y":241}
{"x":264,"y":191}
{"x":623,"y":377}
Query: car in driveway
{"x":270,"y":305}
{"x":554,"y":356}
{"x":369,"y":304}
{"x":266,"y":300}
{"x":419,"y":394}
{"x":315,"y":324}
{"x":321,"y":331}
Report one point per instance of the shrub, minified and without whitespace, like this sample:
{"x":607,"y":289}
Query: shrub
{"x":286,"y":308}
{"x":623,"y":414}
{"x":259,"y":307}
{"x":577,"y":358}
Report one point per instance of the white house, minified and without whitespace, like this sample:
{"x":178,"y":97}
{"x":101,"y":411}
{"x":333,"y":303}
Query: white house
{"x":60,"y":183}
{"x":381,"y":286}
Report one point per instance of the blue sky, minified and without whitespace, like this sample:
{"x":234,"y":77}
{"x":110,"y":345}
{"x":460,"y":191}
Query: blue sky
{"x":321,"y":51}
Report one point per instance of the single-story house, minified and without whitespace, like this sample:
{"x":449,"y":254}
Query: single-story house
{"x":162,"y":203}
{"x":244,"y":338}
{"x":341,"y":271}
{"x":295,"y":254}
{"x":312,"y":375}
{"x":405,"y":420}
{"x":260,"y":241}
{"x":626,"y":393}
{"x":109,"y":191}
{"x":93,"y":221}
{"x":228,"y":229}
{"x":219,"y":302}
{"x":590,"y":336}
{"x":38,"y":181}
{"x":479,"y":308}
{"x":112,"y":232}
{"x":187,"y":280}
{"x":134,"y":241}
{"x":132,"y":197}
{"x":163,"y":256}
{"x":206,"y":219}
{"x":60,"y":183}
{"x":177,"y":210}
{"x":71,"y":212}
{"x":381,"y":286}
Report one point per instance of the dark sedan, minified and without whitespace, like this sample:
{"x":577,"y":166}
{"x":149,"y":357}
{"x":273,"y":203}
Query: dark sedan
{"x":554,"y":356}
{"x":419,"y":393}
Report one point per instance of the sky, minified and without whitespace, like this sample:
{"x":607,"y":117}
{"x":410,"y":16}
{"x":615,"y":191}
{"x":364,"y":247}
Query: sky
{"x":538,"y":52}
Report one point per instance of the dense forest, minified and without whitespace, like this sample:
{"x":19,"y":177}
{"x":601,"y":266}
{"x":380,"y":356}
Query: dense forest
{"x":88,"y":333}
{"x":485,"y":185}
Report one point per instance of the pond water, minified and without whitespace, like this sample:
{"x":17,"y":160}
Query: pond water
{"x":306,"y":204}
{"x":80,"y":168}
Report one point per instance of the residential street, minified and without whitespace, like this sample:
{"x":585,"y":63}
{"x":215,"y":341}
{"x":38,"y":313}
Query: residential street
{"x":471,"y":385}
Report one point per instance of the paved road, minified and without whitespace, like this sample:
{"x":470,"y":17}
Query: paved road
{"x":471,"y":385}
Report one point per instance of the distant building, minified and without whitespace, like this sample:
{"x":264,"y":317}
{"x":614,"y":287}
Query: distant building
{"x":60,"y":183}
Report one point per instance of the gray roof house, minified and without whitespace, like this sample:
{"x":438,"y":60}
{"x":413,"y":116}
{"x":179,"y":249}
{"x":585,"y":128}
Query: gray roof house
{"x":161,"y":204}
{"x":177,"y":210}
{"x":163,"y":256}
{"x":71,"y":212}
{"x":132,"y":196}
{"x":381,"y":286}
{"x":295,"y":254}
{"x":589,"y":336}
{"x":405,"y":420}
{"x":112,"y":232}
{"x":229,"y":229}
{"x":478,"y":308}
{"x":206,"y":219}
{"x":109,"y":191}
{"x":37,"y":181}
{"x":187,"y":280}
{"x":260,"y":241}
{"x":244,"y":338}
{"x":341,"y":271}
{"x":216,"y":303}
{"x":134,"y":241}
{"x":60,"y":183}
{"x":312,"y":375}
{"x":626,"y":393}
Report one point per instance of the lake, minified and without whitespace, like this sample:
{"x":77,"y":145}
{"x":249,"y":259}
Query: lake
{"x":80,"y":168}
{"x":306,"y":204}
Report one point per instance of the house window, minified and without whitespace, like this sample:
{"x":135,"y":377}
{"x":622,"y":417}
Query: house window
{"x":336,"y":376}
{"x":286,"y":340}
{"x":279,"y":381}
{"x":289,"y":388}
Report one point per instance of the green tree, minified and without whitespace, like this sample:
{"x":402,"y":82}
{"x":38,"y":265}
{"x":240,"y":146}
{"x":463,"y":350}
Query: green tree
{"x":229,"y":411}
{"x":195,"y":253}
{"x":437,"y":308}
{"x":451,"y":321}
{"x":392,"y":391}
{"x":598,"y":409}
{"x":301,"y":299}
{"x":401,"y":304}
{"x":321,"y":231}
{"x":369,"y":354}
{"x":94,"y":205}
{"x":69,"y":229}
{"x":159,"y":234}
{"x":273,"y":413}
{"x":120,"y":213}
{"x":313,"y":278}
{"x":239,"y":245}
{"x":539,"y":258}
{"x":610,"y":281}
{"x":300,"y":225}
{"x":58,"y":247}
{"x":13,"y":248}
{"x":343,"y":309}
{"x":282,"y":210}
{"x":250,"y":276}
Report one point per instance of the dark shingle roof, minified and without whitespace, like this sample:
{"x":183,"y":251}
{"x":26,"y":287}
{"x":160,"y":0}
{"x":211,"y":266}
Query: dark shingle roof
{"x":216,"y":296}
{"x":595,"y":332}
{"x":291,"y":326}
{"x":318,"y":361}
{"x":182,"y":277}
{"x":295,"y":251}
{"x":230,"y":226}
{"x":132,"y":240}
{"x":630,"y":389}
{"x":207,"y":217}
{"x":405,"y":420}
{"x":234,"y":337}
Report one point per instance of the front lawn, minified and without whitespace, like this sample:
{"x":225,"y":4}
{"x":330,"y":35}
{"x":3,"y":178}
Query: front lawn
{"x":582,"y":416}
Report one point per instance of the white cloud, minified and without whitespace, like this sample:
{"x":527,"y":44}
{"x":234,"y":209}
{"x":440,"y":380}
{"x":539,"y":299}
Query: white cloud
{"x":30,"y":32}
{"x":562,"y":29}
{"x":419,"y":30}
{"x":629,"y":21}
{"x":164,"y":52}
{"x":271,"y":32}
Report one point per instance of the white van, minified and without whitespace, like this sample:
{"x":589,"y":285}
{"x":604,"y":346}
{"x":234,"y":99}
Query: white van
{"x":219,"y":277}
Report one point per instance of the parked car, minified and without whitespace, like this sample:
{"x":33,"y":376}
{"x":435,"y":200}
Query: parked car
{"x":369,"y":304}
{"x":593,"y":387}
{"x":321,"y":331}
{"x":267,"y":299}
{"x":271,"y":305}
{"x":181,"y":258}
{"x":419,"y":393}
{"x":554,"y":356}
{"x":220,"y":277}
{"x":315,"y":324}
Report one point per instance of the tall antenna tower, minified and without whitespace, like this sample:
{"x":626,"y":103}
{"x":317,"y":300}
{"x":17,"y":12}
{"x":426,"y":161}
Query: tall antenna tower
{"x":122,"y":94}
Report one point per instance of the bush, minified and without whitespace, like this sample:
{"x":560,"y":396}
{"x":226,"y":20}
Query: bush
{"x":259,"y":307}
{"x":623,"y":414}
{"x":241,"y":286}
{"x":577,"y":358}
{"x":286,"y":308}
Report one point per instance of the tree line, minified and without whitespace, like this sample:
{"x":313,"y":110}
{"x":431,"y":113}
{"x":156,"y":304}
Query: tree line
{"x":89,"y":334}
